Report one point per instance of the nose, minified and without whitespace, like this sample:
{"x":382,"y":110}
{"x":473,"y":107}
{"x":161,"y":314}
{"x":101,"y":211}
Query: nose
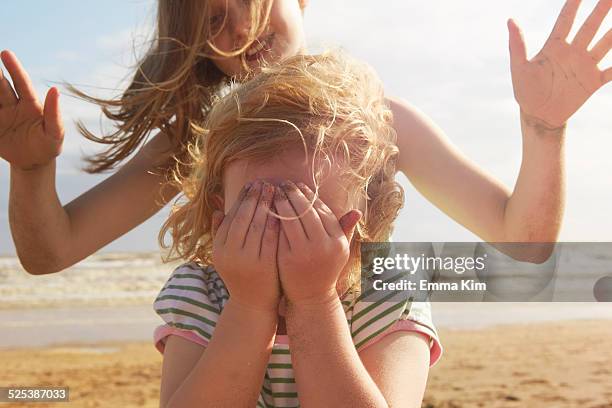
{"x":241,"y":24}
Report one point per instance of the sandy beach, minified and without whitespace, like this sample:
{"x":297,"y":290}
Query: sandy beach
{"x":90,"y":328}
{"x":554,"y":364}
{"x":562,"y":364}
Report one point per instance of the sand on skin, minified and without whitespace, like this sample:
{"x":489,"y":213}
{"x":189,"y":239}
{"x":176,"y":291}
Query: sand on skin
{"x":561,"y":364}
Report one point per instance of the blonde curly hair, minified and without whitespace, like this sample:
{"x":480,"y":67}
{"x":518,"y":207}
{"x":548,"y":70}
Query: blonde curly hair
{"x":332,"y":106}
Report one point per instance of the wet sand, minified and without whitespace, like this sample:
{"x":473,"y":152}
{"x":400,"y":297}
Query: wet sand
{"x":87,"y":323}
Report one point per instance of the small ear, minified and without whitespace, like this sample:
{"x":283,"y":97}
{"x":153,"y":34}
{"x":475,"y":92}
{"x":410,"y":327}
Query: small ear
{"x":218,"y":202}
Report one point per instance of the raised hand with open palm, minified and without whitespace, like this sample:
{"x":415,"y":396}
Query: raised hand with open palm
{"x":31,"y":134}
{"x":556,"y":82}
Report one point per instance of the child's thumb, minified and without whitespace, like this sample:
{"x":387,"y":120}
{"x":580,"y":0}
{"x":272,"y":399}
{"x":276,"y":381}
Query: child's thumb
{"x":349,"y":221}
{"x":217,"y":219}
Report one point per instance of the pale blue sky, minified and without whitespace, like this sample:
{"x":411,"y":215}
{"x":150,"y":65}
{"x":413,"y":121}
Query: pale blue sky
{"x":449,"y":58}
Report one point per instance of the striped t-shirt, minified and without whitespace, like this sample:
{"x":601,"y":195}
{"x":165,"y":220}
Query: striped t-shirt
{"x":193,"y":298}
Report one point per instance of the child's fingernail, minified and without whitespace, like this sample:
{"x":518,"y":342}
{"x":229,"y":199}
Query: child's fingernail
{"x":288,"y":185}
{"x":306,"y":191}
{"x":280,"y":195}
{"x":255,"y":189}
{"x":244,"y":191}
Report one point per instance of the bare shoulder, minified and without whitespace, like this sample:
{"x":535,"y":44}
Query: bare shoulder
{"x":408,"y":120}
{"x":401,"y":108}
{"x":419,"y":139}
{"x":156,"y":152}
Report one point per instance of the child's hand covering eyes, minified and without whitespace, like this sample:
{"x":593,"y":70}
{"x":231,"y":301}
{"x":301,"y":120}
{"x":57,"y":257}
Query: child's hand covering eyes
{"x":313,"y":249}
{"x":255,"y":257}
{"x":244,"y":248}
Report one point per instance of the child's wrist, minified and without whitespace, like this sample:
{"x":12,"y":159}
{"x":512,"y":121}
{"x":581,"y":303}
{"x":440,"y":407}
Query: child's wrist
{"x":265,"y":311}
{"x":260,"y":324}
{"x":33,"y":170}
{"x":315,"y":303}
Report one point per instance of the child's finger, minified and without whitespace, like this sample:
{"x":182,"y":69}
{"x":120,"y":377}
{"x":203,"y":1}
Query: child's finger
{"x":241,"y":220}
{"x":223,"y":230}
{"x":305,"y":210}
{"x":21,"y":80}
{"x":283,"y":242}
{"x":348,"y":222}
{"x":52,"y":117}
{"x":269,"y":243}
{"x":326,"y":215}
{"x":257,"y":226}
{"x":7,"y":94}
{"x":289,"y":221}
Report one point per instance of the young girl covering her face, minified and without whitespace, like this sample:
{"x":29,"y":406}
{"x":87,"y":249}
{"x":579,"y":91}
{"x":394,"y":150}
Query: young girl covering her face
{"x":312,"y":140}
{"x":198,"y":47}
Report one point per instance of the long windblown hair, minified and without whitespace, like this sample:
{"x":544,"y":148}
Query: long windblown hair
{"x":174,"y":84}
{"x":329,"y":105}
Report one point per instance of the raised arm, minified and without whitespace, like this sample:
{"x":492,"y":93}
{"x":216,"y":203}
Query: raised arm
{"x":50,"y":237}
{"x":549,"y":88}
{"x":474,"y":198}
